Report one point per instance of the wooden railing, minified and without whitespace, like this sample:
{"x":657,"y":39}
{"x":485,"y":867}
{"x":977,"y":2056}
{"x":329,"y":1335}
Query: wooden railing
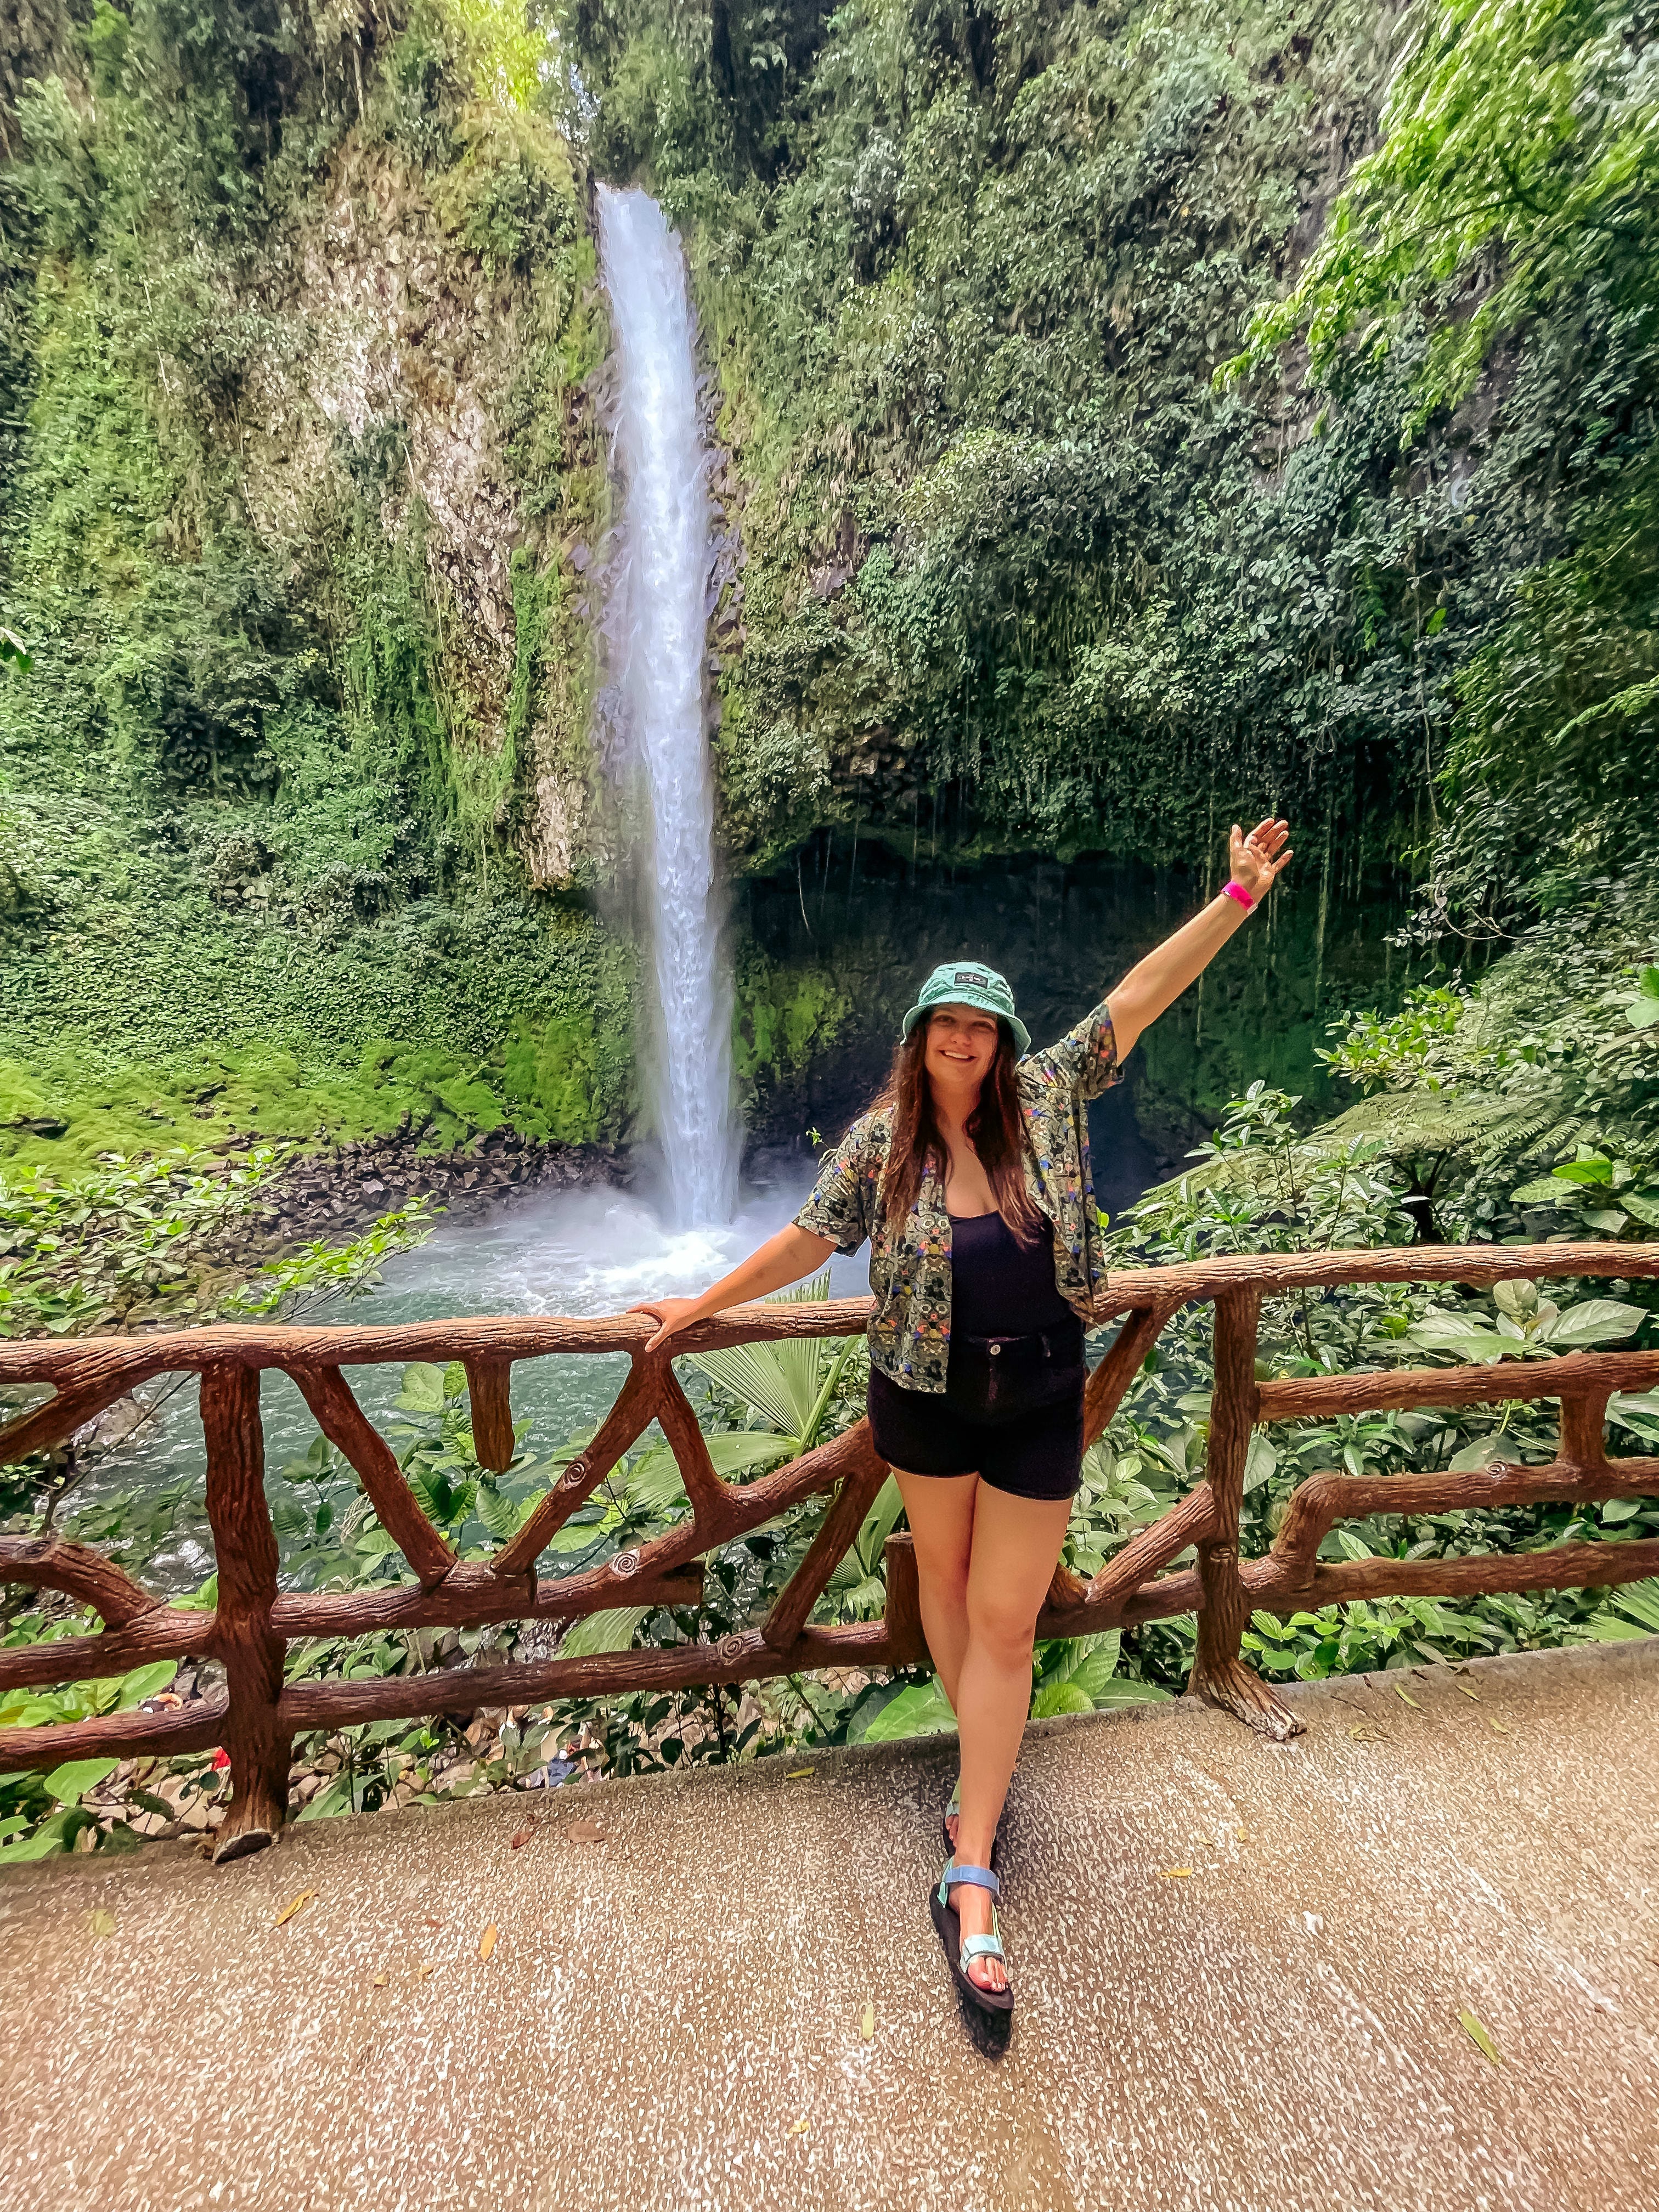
{"x":256,"y":1717}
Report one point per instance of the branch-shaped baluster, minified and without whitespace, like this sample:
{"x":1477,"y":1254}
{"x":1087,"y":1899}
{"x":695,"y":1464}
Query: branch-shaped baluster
{"x":1103,"y":1393}
{"x":711,"y":1501}
{"x":55,"y":1563}
{"x":865,"y":1472}
{"x":245,"y":1549}
{"x":397,"y":1508}
{"x":1218,"y":1673}
{"x":636,"y":1406}
{"x":1584,"y":1429}
{"x":488,"y":1383}
{"x":1103,"y":1396}
{"x":906,"y":1639}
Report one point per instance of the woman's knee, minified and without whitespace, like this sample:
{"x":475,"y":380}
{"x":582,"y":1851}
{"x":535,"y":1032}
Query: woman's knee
{"x":1007,"y":1631}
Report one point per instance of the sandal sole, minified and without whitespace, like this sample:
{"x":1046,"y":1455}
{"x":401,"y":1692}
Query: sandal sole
{"x":949,"y":1927}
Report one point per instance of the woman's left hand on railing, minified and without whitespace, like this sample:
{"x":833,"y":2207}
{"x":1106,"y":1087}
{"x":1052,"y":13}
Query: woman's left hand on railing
{"x":674,"y":1314}
{"x":786,"y":1258}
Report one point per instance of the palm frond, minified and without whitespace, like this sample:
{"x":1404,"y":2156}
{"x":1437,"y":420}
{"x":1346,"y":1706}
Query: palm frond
{"x":779,"y":1382}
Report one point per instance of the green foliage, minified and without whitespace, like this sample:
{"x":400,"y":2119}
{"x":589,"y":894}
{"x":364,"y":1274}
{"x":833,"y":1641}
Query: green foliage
{"x":1515,"y":165}
{"x":125,"y":1244}
{"x":261,"y":826}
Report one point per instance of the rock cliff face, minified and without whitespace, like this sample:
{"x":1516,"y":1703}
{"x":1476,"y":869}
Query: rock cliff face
{"x":382,"y":323}
{"x":392,"y":340}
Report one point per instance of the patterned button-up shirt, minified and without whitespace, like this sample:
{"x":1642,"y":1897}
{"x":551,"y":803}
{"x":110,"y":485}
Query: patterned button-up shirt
{"x":910,"y":1260}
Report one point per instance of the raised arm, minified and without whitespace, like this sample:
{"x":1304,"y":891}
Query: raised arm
{"x":1159,"y":981}
{"x":789,"y":1257}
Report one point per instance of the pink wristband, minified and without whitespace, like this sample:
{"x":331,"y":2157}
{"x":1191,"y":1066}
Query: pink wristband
{"x":1236,"y":890}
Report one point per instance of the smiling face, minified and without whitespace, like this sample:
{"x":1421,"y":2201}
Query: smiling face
{"x":962,"y":1044}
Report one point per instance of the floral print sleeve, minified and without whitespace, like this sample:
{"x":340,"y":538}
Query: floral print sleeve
{"x":1083,"y":1062}
{"x":842,"y":1204}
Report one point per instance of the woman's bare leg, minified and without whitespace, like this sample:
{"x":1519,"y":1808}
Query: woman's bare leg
{"x":1016,"y":1542}
{"x":940,"y":1510}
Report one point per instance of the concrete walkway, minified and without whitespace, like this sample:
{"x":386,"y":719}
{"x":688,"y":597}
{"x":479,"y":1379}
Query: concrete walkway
{"x":723,"y":1991}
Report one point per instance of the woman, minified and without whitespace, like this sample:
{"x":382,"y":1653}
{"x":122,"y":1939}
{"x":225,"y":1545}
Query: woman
{"x":970,"y":1176}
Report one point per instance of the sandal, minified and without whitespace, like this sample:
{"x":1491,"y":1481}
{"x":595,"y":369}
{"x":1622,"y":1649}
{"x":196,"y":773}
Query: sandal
{"x":960,"y":1950}
{"x":955,"y":1806}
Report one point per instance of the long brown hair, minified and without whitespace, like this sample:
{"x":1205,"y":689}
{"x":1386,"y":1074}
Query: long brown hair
{"x":996,"y":1129}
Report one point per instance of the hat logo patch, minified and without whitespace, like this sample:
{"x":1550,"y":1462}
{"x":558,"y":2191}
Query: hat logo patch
{"x":968,"y":976}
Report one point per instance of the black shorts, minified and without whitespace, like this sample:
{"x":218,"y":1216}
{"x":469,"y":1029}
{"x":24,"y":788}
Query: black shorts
{"x":1029,"y":1454}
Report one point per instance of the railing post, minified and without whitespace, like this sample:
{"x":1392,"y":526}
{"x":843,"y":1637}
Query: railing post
{"x":244,"y":1547}
{"x":1219,"y":1675}
{"x":906,"y":1639}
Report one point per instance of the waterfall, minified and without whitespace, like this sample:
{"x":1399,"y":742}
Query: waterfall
{"x":656,"y":634}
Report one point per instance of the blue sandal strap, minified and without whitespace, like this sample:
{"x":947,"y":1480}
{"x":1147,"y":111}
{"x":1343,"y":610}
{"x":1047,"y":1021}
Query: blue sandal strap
{"x":976,"y":1877}
{"x":981,"y":1946}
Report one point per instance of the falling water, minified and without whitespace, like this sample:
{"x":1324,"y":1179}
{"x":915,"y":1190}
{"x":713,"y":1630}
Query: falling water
{"x":657,"y":638}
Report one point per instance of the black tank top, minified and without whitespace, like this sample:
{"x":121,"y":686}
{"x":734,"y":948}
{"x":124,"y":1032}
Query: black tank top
{"x":998,"y":1287}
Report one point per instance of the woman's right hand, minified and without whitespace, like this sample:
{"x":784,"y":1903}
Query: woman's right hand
{"x":673,"y":1313}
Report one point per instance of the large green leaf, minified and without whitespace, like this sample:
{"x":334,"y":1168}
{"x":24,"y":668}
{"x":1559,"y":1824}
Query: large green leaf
{"x":1060,"y":1697}
{"x":923,"y":1710}
{"x":1129,"y":1690}
{"x":1594,"y":1321}
{"x":69,"y":1783}
{"x":612,"y":1631}
{"x":501,"y":1516}
{"x":423,"y":1389}
{"x":878,"y":1524}
{"x":780,"y":1382}
{"x":145,"y":1682}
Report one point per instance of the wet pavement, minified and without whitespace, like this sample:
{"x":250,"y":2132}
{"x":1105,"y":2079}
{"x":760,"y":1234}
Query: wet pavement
{"x":1406,"y":1961}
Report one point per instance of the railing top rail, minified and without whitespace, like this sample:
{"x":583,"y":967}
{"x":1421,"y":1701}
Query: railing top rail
{"x":525,"y":1339}
{"x":497,"y":1338}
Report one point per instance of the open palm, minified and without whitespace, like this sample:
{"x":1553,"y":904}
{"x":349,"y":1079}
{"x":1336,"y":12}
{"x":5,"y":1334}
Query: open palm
{"x":1256,"y":861}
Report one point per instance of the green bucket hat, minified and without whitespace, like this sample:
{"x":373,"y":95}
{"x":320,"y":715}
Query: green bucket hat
{"x":966,"y":983}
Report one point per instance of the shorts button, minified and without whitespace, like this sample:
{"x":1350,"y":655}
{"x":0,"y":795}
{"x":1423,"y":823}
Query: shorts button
{"x":995,"y":1349}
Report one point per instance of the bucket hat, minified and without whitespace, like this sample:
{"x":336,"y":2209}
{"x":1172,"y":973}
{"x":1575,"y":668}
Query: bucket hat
{"x":968,"y":983}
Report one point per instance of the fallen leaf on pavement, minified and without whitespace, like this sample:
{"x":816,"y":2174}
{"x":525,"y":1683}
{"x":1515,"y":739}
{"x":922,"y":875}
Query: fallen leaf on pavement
{"x":295,"y":1904}
{"x":1492,"y":1722}
{"x":868,"y":2024}
{"x":1406,"y":1698}
{"x":99,"y":1922}
{"x":487,"y":1941}
{"x":800,"y":1774}
{"x":586,"y":1832}
{"x":1175,"y":1874}
{"x":381,"y":1980}
{"x":1481,"y":2034}
{"x":1243,"y":1836}
{"x":431,"y":1923}
{"x":1468,"y":1692}
{"x":799,"y":2128}
{"x":426,"y":1967}
{"x":522,"y":1837}
{"x":1362,"y":1733}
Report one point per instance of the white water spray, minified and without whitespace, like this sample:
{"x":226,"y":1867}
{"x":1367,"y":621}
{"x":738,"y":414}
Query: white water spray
{"x":661,"y":578}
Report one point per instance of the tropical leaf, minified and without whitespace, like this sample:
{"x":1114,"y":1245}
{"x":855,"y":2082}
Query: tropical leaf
{"x":1629,"y":1612}
{"x":500,"y":1515}
{"x":1594,"y":1321}
{"x":1260,"y":1461}
{"x":783,"y":1382}
{"x":924,"y":1710}
{"x":611,"y":1630}
{"x":1060,"y":1697}
{"x":423,"y":1389}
